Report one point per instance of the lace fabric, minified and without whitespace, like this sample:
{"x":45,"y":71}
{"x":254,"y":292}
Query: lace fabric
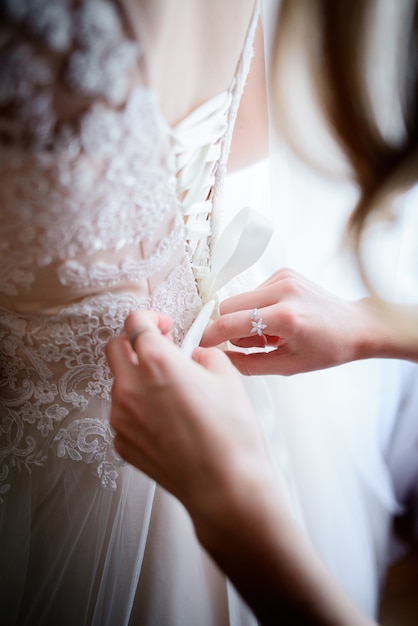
{"x":79,"y":225}
{"x":99,"y":217}
{"x":56,"y":367}
{"x":95,"y":203}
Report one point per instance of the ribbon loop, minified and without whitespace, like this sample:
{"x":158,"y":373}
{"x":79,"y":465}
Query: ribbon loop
{"x":239,"y":246}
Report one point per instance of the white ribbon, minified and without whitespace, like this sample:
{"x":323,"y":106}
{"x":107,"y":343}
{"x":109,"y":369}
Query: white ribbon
{"x":239,"y":246}
{"x":194,"y":334}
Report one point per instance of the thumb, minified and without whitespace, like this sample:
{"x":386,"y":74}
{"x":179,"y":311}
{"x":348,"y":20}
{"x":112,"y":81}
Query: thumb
{"x":213,"y":359}
{"x":249,"y":364}
{"x":119,"y":355}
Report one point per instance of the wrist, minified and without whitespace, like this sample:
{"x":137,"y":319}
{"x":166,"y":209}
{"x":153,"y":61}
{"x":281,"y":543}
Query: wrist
{"x":233,"y":503}
{"x":388,"y":331}
{"x":372,"y":339}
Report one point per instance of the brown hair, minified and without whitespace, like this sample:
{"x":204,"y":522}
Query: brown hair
{"x":337,"y":40}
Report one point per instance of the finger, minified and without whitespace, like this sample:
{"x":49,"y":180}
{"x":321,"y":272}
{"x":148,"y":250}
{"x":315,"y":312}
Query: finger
{"x":256,"y":364}
{"x":284,"y":273}
{"x":257,"y":299}
{"x":140,"y":330}
{"x":255,"y":341}
{"x":227,"y":328}
{"x":134,"y":453}
{"x":127,"y":415}
{"x":212,"y":359}
{"x":278,"y":361}
{"x":159,"y":360}
{"x":119,"y":356}
{"x":251,"y":324}
{"x":286,"y":282}
{"x":155,"y":319}
{"x":144,"y":328}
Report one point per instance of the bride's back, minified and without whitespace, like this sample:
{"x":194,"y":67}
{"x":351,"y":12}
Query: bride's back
{"x":191,"y":48}
{"x":92,"y":185}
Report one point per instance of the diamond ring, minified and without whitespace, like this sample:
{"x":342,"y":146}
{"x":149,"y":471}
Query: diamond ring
{"x":257,"y":323}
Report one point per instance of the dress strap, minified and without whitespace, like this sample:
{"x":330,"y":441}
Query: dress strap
{"x":236,"y":90}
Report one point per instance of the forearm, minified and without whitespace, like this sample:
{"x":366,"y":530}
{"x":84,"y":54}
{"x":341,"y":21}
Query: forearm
{"x":255,"y":540}
{"x":390,"y":331}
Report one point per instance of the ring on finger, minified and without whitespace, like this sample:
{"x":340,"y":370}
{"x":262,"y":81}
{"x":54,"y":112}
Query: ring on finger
{"x":257,"y":324}
{"x":140,"y":330}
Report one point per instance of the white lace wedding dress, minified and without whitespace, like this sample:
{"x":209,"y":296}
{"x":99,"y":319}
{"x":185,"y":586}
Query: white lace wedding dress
{"x":91,"y":228}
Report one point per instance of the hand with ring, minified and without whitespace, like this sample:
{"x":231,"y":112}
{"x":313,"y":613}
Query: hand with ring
{"x":173,"y":417}
{"x":306,"y":327}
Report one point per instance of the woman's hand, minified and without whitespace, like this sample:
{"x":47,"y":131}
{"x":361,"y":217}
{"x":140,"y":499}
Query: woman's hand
{"x":187,"y":424}
{"x":307,"y":328}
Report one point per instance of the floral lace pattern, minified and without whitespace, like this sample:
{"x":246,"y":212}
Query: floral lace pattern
{"x":102,"y":274}
{"x":91,"y":223}
{"x":88,"y":204}
{"x":85,"y":199}
{"x":55,"y":369}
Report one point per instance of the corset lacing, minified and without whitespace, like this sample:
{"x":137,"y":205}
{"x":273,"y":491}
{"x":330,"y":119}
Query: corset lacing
{"x":197,"y":145}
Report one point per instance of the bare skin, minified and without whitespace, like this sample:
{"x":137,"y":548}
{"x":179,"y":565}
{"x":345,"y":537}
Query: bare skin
{"x":181,"y":75}
{"x":189,"y":425}
{"x":310,"y":328}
